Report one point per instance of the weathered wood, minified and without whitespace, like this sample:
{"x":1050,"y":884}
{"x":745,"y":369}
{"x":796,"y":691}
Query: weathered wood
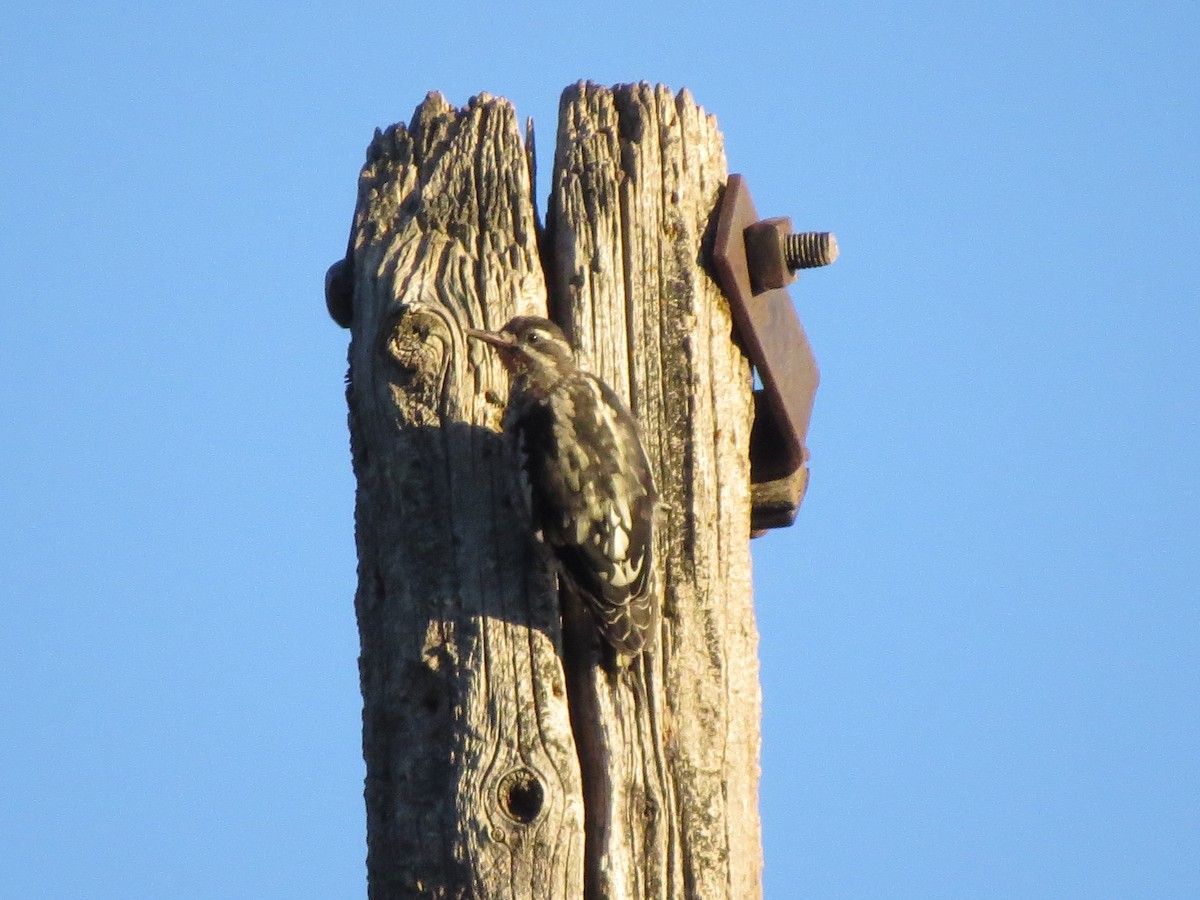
{"x":472,"y":785}
{"x":672,"y":748}
{"x":504,"y":758}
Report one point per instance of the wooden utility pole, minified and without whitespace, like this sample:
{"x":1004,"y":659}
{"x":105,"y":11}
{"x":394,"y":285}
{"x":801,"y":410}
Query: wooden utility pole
{"x":503,"y":760}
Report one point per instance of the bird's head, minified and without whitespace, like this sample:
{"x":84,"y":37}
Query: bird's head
{"x":530,"y":346}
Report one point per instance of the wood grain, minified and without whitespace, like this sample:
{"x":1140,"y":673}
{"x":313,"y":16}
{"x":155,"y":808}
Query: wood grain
{"x":472,"y":783}
{"x":506,"y":756}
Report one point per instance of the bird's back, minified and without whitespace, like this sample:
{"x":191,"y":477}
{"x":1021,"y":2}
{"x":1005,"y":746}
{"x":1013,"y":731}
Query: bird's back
{"x":592,"y":494}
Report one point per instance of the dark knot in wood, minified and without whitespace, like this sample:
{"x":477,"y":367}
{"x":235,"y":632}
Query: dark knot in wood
{"x":521,"y":796}
{"x":417,"y":341}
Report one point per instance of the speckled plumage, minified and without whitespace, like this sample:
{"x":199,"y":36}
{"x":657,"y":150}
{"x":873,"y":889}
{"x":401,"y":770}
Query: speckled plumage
{"x":588,"y":481}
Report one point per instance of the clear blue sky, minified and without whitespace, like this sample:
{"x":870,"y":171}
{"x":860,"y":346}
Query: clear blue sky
{"x":981,"y":641}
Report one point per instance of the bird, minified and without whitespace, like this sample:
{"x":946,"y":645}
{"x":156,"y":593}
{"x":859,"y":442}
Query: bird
{"x":588,"y":481}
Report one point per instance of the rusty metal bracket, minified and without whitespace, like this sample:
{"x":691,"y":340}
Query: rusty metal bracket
{"x":754,"y":261}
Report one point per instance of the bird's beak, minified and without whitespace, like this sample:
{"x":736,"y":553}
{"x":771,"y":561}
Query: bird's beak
{"x":496,"y":338}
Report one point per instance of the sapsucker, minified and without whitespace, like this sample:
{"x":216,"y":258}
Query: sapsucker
{"x":588,"y":481}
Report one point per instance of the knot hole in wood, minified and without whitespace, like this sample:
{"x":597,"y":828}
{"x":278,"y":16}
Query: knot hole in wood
{"x":417,"y":340}
{"x":521,"y":796}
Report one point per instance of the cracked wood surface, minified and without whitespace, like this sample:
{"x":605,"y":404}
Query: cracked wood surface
{"x":637,"y":175}
{"x":472,"y":785}
{"x":503,"y":759}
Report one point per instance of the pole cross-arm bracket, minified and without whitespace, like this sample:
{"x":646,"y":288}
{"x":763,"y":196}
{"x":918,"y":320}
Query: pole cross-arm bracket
{"x":754,"y":261}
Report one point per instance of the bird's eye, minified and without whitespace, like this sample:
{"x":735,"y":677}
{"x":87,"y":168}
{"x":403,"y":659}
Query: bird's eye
{"x":533,"y":337}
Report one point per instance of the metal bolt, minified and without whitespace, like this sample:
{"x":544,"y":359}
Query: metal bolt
{"x":753,"y":259}
{"x":809,"y":249}
{"x":339,"y":292}
{"x":774,"y":253}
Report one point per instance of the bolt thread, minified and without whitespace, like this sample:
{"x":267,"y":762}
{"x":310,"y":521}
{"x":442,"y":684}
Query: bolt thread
{"x":810,"y":250}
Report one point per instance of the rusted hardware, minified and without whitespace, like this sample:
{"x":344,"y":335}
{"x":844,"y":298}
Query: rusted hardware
{"x":810,"y":249}
{"x":339,"y":292}
{"x":774,"y":253}
{"x":755,"y":261}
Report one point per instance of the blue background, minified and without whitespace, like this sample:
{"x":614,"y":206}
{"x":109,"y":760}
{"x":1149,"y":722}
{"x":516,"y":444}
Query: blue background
{"x":980,"y":640}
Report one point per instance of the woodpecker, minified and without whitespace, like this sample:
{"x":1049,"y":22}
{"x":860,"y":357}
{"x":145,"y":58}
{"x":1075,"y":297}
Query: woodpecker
{"x":587,"y":478}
